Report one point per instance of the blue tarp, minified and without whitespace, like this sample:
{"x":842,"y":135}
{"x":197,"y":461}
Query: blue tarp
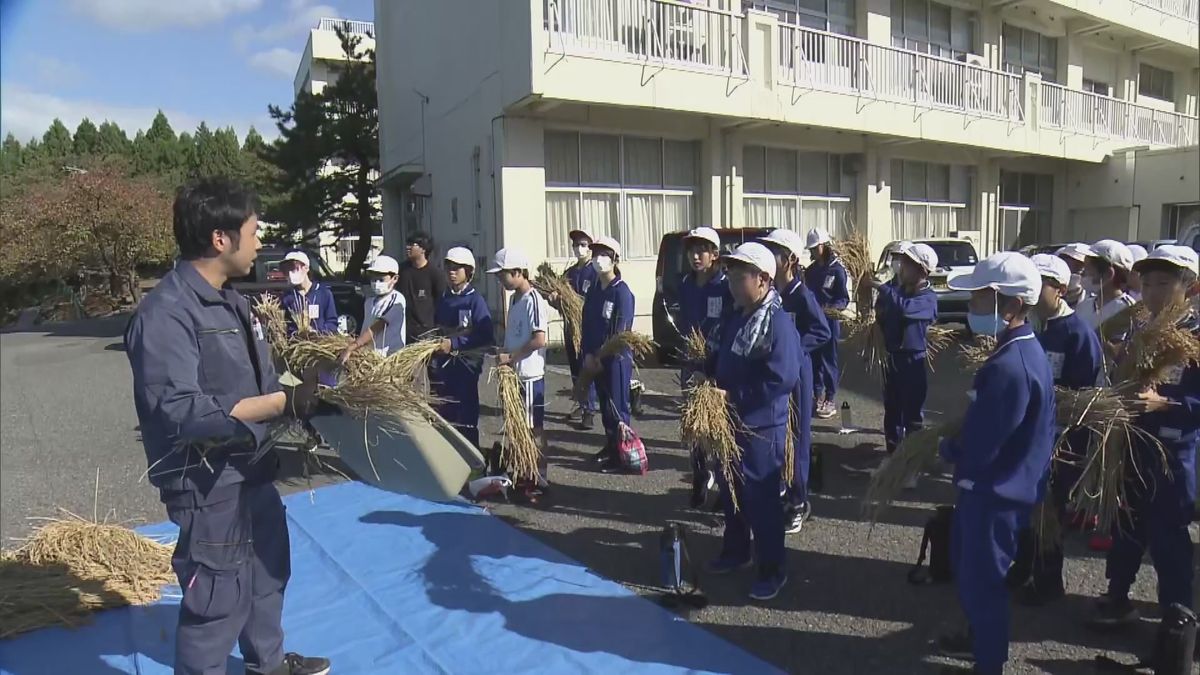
{"x":383,"y":583}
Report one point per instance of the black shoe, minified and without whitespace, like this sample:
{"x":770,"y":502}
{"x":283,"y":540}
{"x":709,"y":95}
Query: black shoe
{"x":588,"y":421}
{"x":612,"y":466}
{"x":294,"y":664}
{"x":1032,"y":596}
{"x":602,"y":455}
{"x":955,"y":646}
{"x":1112,"y":612}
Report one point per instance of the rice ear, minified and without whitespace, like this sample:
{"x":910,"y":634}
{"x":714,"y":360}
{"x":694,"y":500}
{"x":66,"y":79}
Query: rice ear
{"x":708,"y":422}
{"x":916,"y":454}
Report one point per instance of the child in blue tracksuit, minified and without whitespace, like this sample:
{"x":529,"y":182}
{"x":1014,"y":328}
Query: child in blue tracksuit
{"x":827,"y":280}
{"x":1076,"y":362}
{"x":758,"y":368}
{"x":904,"y":310}
{"x":1000,"y":455}
{"x":581,"y":275}
{"x":1161,"y":499}
{"x":703,"y":301}
{"x":463,"y":319}
{"x":814,"y":332}
{"x":607,"y":311}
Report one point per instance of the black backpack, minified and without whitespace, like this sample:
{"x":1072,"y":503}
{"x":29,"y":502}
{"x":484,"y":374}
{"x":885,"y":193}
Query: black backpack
{"x":679,"y":575}
{"x":936,"y":542}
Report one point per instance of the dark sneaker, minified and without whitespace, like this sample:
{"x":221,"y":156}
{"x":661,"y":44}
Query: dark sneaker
{"x":795,"y":518}
{"x":768,"y":584}
{"x":612,"y":466}
{"x":955,"y":646}
{"x":1112,"y":612}
{"x":602,"y":455}
{"x":1032,"y":596}
{"x":576,"y":415}
{"x":294,"y":664}
{"x":588,"y":420}
{"x":725,"y":565}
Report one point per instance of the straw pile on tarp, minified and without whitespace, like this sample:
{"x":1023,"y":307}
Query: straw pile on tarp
{"x":70,"y":567}
{"x":916,"y":454}
{"x":641,"y":347}
{"x":519,"y":452}
{"x":570,"y":303}
{"x":707,"y":421}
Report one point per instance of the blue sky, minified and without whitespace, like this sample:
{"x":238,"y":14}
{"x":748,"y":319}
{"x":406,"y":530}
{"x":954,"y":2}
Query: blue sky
{"x":218,"y":61}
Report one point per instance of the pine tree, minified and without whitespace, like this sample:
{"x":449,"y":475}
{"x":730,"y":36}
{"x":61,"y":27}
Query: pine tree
{"x":112,"y":140}
{"x":157,"y":153}
{"x":56,"y":142}
{"x":87,"y":138}
{"x":10,"y":155}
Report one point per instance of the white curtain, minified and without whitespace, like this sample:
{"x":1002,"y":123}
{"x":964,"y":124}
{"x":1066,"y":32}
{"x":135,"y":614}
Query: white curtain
{"x":650,"y":216}
{"x":756,"y":211}
{"x":815,"y":214}
{"x":598,"y":213}
{"x":562,"y":216}
{"x":839,"y":219}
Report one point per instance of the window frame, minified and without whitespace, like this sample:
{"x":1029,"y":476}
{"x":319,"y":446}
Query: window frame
{"x":1157,"y":76}
{"x":927,"y":44}
{"x":834,"y":168}
{"x":1021,"y":66}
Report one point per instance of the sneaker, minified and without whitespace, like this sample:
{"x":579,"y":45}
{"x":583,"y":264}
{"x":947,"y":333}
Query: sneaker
{"x":1112,"y":612}
{"x":294,"y":664}
{"x":612,"y":466}
{"x":576,"y":414}
{"x":768,"y":584}
{"x":795,"y":517}
{"x":587,"y":420}
{"x":602,"y":455}
{"x":955,"y":646}
{"x":723,"y":565}
{"x":826,"y":410}
{"x":1032,"y":596}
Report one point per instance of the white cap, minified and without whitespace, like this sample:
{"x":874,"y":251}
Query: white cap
{"x":1138,"y":252}
{"x":705,"y":234}
{"x":608,"y":243}
{"x":298,"y":256}
{"x":1076,"y":251}
{"x":1053,"y":267}
{"x":579,"y":233}
{"x":461,"y":255}
{"x":816,"y":237}
{"x":1113,"y":252}
{"x":902,"y":246}
{"x":755,"y":254}
{"x":509,"y":259}
{"x":384,"y":264}
{"x":1008,"y":273}
{"x":789,"y":240}
{"x":1180,"y":256}
{"x":922,"y":254}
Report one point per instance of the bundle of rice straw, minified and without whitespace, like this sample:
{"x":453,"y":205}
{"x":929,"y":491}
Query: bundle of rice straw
{"x":789,"y":460}
{"x":865,"y":338}
{"x":71,"y":567}
{"x":835,"y":314}
{"x":570,"y":303}
{"x":695,"y":350}
{"x":916,"y":454}
{"x":1047,"y":527}
{"x":270,"y":312}
{"x":639,"y":345}
{"x":855,"y":253}
{"x":707,"y":422}
{"x":937,"y":339}
{"x":1157,"y":348}
{"x":976,"y":352}
{"x":1117,"y":326}
{"x":520,"y":452}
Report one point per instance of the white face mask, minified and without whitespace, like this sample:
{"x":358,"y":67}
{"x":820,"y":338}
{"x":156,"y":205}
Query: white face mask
{"x":380,"y":287}
{"x":582,"y":252}
{"x":602,"y":263}
{"x":296,"y":277}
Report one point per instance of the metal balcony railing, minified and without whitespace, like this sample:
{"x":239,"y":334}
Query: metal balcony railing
{"x":821,"y":60}
{"x":1184,"y":9}
{"x":671,"y":32}
{"x":360,"y":27}
{"x":1095,"y":115}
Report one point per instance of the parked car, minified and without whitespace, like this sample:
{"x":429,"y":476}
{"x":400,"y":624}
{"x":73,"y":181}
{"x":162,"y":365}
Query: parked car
{"x":671,"y":268}
{"x":1190,"y":237}
{"x":1035,"y":249}
{"x":955,"y":257}
{"x":1150,"y":245}
{"x":268,"y":277}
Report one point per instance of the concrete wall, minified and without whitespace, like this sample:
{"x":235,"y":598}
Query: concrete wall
{"x":1131,"y":189}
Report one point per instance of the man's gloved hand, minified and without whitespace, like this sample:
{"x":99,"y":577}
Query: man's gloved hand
{"x":302,"y":401}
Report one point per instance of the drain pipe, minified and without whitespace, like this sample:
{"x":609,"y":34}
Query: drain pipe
{"x":727,"y":204}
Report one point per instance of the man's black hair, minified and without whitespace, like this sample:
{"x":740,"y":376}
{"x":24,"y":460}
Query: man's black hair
{"x":423,"y":240}
{"x":1120,"y":276}
{"x":210,"y":205}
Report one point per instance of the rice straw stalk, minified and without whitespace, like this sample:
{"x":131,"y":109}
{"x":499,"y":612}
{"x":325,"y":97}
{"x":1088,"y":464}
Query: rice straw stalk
{"x":520,"y":453}
{"x":570,"y":303}
{"x":916,"y":454}
{"x":706,"y":421}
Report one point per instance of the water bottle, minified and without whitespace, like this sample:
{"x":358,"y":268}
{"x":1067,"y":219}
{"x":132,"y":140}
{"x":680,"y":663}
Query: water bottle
{"x":847,"y":418}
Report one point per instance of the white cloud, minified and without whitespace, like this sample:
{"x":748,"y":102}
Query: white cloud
{"x":54,"y":72}
{"x":143,"y":15}
{"x":277,"y":61}
{"x":28,"y":113}
{"x":303,"y":17}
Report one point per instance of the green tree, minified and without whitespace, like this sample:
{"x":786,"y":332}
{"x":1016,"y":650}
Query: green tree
{"x":112,"y":140}
{"x":216,"y":154}
{"x":56,"y":142}
{"x":87,"y":138}
{"x":158,"y":154}
{"x":337,"y":128}
{"x":10,"y":155}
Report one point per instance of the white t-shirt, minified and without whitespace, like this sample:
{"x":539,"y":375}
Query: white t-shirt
{"x":1094,"y":315}
{"x":389,"y":308}
{"x":528,"y":314}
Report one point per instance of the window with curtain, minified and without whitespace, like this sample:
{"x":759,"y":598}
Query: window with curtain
{"x":1027,"y":51}
{"x":1156,"y":82}
{"x":933,"y":28}
{"x":634,"y":189}
{"x":928,"y":199}
{"x":796,"y":190}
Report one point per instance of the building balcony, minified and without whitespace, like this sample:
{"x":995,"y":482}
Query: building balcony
{"x":1171,"y":23}
{"x":348,"y":26}
{"x":748,"y":67}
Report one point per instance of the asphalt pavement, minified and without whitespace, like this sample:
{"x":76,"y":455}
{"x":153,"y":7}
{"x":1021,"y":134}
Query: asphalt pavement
{"x":66,"y":412}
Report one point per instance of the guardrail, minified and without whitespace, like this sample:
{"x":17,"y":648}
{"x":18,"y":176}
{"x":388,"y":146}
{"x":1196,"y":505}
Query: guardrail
{"x":671,"y":32}
{"x":834,"y":62}
{"x":1184,"y":9}
{"x":361,"y":27}
{"x":1088,"y":113}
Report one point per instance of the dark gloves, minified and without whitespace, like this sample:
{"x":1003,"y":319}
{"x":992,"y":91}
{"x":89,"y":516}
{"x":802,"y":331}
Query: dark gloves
{"x":302,"y":401}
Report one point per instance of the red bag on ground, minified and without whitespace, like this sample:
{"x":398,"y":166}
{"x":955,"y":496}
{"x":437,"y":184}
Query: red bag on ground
{"x":631,"y":451}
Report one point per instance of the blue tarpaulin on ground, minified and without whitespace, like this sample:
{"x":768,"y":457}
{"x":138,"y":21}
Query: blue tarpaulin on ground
{"x":384,"y":583}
